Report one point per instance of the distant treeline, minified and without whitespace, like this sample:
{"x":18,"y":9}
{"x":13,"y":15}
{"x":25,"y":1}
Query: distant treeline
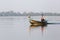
{"x":11,"y":13}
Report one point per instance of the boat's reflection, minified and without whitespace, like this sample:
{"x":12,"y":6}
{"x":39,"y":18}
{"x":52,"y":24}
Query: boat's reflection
{"x":41,"y":26}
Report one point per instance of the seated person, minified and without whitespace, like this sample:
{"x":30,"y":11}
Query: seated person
{"x":42,"y":19}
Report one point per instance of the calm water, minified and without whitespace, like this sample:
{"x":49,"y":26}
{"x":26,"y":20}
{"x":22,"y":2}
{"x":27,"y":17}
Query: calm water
{"x":18,"y":28}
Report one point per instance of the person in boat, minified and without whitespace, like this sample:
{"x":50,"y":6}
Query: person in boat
{"x":42,"y":19}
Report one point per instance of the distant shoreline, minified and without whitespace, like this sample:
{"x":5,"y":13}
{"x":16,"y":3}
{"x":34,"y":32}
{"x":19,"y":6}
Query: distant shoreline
{"x":11,"y":13}
{"x":7,"y":16}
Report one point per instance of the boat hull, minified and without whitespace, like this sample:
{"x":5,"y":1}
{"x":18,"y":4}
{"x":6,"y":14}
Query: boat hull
{"x":38,"y":23}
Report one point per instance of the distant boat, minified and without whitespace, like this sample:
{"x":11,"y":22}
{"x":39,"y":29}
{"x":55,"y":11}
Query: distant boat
{"x":41,"y":23}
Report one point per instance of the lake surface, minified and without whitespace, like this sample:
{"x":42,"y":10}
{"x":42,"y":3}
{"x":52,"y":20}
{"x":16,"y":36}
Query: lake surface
{"x":18,"y":28}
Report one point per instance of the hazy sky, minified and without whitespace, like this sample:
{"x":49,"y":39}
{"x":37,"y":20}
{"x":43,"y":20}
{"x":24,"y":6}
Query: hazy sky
{"x":30,"y":5}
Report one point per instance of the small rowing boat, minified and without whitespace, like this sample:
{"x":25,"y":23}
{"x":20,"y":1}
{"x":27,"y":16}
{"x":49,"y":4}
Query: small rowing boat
{"x":41,"y":23}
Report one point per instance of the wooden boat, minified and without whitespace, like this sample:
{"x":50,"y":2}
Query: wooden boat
{"x":41,"y":23}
